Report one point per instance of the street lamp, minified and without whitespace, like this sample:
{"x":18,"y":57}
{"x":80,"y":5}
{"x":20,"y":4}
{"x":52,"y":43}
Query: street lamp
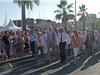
{"x":75,"y":14}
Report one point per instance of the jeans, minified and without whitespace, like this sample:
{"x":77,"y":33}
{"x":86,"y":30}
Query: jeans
{"x":32,"y":44}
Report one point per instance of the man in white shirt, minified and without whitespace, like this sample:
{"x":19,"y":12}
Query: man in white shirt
{"x":62,"y":41}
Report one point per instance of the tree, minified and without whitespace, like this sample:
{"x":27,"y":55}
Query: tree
{"x":98,"y":23}
{"x":82,"y":12}
{"x":64,"y":12}
{"x":25,"y":4}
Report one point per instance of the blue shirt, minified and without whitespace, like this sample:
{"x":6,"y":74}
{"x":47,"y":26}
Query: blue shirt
{"x":32,"y":36}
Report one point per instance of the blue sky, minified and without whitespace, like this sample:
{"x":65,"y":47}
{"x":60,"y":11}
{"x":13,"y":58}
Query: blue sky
{"x":44,"y":11}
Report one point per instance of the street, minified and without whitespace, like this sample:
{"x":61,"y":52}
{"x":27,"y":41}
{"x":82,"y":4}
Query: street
{"x":84,"y":66}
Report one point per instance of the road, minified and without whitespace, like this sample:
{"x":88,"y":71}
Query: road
{"x":84,"y":66}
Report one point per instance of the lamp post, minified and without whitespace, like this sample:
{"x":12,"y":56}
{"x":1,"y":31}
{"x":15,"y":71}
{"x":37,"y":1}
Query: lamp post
{"x":75,"y":15}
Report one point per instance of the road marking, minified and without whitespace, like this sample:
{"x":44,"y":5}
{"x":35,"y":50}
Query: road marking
{"x":34,"y":70}
{"x":51,"y":71}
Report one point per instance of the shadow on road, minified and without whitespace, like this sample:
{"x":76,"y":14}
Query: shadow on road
{"x":55,"y":68}
{"x":59,"y":69}
{"x":92,"y":61}
{"x":70,"y":68}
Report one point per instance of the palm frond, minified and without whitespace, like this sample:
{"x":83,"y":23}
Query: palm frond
{"x":71,"y":11}
{"x":85,"y":9}
{"x":57,"y":11}
{"x":59,"y":6}
{"x":19,"y":2}
{"x":37,"y":2}
{"x":28,"y":3}
{"x":70,"y":6}
{"x":82,"y":8}
{"x":64,"y":9}
{"x":58,"y":16}
{"x":64,"y":3}
{"x":71,"y":16}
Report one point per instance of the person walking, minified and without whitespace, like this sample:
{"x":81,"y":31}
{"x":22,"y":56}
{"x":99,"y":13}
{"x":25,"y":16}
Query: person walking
{"x":69,"y":45}
{"x":40,"y":43}
{"x":90,"y":40}
{"x":6,"y":43}
{"x":51,"y":44}
{"x":98,"y":41}
{"x":26,"y":43}
{"x":82,"y":40}
{"x":19,"y":44}
{"x":62,"y":41}
{"x":75,"y":45}
{"x":33,"y":38}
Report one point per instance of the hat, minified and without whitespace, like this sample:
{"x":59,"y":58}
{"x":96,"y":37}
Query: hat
{"x":40,"y":33}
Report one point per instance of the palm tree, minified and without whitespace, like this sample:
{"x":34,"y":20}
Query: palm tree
{"x":64,"y":12}
{"x":83,"y":14}
{"x":25,"y":4}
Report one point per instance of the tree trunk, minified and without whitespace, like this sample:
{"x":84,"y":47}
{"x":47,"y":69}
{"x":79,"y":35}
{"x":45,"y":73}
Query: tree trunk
{"x":64,"y":21}
{"x":23,"y":17}
{"x":84,"y":25}
{"x":84,"y":20}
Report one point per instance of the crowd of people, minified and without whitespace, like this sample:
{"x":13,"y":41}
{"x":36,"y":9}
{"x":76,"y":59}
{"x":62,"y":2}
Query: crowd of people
{"x":53,"y":44}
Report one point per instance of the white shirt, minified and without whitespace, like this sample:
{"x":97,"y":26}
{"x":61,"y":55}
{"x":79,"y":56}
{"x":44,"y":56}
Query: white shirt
{"x":45,"y":37}
{"x":65,"y":38}
{"x":68,"y":39}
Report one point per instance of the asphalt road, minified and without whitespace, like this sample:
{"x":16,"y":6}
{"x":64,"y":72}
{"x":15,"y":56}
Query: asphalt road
{"x":84,"y":66}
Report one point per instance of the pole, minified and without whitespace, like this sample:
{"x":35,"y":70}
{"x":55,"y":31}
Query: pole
{"x":5,"y":19}
{"x":75,"y":14}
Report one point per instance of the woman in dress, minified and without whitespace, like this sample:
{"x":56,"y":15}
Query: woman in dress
{"x":19,"y":44}
{"x":13,"y":44}
{"x":75,"y":44}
